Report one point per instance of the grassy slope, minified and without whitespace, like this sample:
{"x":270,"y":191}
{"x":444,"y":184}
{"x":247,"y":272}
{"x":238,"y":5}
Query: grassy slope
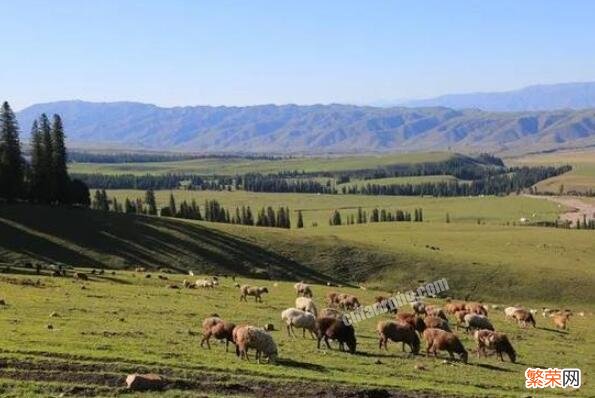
{"x":482,"y":260}
{"x":234,"y":166}
{"x":581,"y":178}
{"x":318,"y":208}
{"x":110,"y":329}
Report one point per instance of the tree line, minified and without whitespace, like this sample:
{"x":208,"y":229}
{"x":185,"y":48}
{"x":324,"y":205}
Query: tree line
{"x":212,"y":210}
{"x":375,"y":215}
{"x":43,"y":178}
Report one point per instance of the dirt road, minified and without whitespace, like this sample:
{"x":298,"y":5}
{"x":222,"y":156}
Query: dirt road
{"x":577,"y":207}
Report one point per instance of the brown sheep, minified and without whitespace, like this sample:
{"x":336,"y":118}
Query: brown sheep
{"x":460,"y":318}
{"x":332,"y":299}
{"x":433,"y":310}
{"x":523,"y":317}
{"x":476,"y":308}
{"x":81,"y":276}
{"x":561,"y":320}
{"x":349,"y":302}
{"x":382,"y":301}
{"x":437,"y":323}
{"x":412,"y":320}
{"x":252,"y":291}
{"x":490,"y":340}
{"x":219,"y":329}
{"x":451,"y":307}
{"x":336,"y":329}
{"x":303,"y":289}
{"x":390,"y":330}
{"x":438,"y":339}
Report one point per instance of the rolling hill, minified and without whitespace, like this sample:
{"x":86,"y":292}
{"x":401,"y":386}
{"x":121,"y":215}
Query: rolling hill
{"x":314,"y":129}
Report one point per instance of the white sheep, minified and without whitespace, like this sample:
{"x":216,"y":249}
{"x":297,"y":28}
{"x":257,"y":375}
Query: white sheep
{"x":509,"y":311}
{"x":303,"y":289}
{"x":206,"y":283}
{"x":247,"y":337}
{"x":306,"y":304}
{"x":294,"y":317}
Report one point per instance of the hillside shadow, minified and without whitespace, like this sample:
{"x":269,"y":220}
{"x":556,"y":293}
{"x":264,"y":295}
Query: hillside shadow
{"x":80,"y":237}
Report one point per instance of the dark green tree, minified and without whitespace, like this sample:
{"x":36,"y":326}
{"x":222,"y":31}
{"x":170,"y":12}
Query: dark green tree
{"x":151,"y":202}
{"x":300,"y":222}
{"x":48,"y":192}
{"x":37,"y":172}
{"x":172,"y":205}
{"x":11,"y":161}
{"x":59,"y":173}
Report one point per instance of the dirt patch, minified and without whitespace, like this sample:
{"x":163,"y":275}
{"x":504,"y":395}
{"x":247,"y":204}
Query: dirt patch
{"x":95,"y":379}
{"x":578,"y":208}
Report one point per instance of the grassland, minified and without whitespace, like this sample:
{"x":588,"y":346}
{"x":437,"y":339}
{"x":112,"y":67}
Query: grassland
{"x":487,"y":261}
{"x":233,"y":166}
{"x":318,"y":208}
{"x":580,"y":179}
{"x":125,"y":322}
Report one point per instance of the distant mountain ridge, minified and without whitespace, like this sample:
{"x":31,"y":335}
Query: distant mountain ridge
{"x":314,"y":128}
{"x":533,"y":98}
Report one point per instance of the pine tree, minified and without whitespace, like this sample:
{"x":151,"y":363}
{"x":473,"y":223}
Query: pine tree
{"x":360,"y":216}
{"x":36,"y":183}
{"x":128,"y":207}
{"x":48,"y":192}
{"x":59,"y":172}
{"x":300,"y":223}
{"x":11,"y":161}
{"x":151,"y":202}
{"x":172,"y":205}
{"x":249,"y":216}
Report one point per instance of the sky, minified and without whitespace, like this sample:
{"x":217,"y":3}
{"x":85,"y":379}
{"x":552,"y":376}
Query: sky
{"x":247,"y":52}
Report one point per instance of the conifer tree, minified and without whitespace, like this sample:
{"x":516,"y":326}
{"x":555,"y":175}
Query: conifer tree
{"x":172,"y":205}
{"x":48,"y":192}
{"x":151,"y":202}
{"x":36,"y":174}
{"x":11,"y":161}
{"x":300,"y":222}
{"x":59,"y":173}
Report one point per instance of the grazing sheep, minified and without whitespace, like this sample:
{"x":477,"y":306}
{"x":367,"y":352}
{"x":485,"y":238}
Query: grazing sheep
{"x":297,"y":318}
{"x":349,"y":302}
{"x":306,"y":304}
{"x":303,"y":289}
{"x":336,"y":329}
{"x":438,"y":339}
{"x":332,"y":299}
{"x":561,"y":320}
{"x":523,"y":317}
{"x":330,"y":313}
{"x":476,"y":322}
{"x":451,"y":307}
{"x":390,"y":330}
{"x":205,"y":283}
{"x":217,"y":328}
{"x":437,"y":323}
{"x":490,"y":340}
{"x":509,"y":311}
{"x":460,"y":318}
{"x":382,"y":302}
{"x":432,"y":310}
{"x":412,"y":320}
{"x":477,"y":308}
{"x":548,"y":312}
{"x":80,"y":276}
{"x":254,"y":337}
{"x":418,"y":307}
{"x":257,"y":292}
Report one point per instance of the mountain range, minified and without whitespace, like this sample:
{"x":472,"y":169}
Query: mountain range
{"x":532,"y":98}
{"x":314,"y":128}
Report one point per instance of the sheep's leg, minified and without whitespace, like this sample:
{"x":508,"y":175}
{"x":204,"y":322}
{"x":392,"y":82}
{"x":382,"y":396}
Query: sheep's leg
{"x":380,"y":342}
{"x":288,"y":334}
{"x":403,"y":346}
{"x":312,"y":334}
{"x":303,"y":333}
{"x":258,"y":357}
{"x":452,"y":356}
{"x":327,"y":343}
{"x":318,"y":342}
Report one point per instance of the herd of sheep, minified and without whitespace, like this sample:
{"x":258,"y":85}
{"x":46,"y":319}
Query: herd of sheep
{"x":427,"y":322}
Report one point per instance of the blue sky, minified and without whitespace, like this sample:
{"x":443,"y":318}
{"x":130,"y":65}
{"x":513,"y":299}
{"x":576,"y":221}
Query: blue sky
{"x":253,"y":52}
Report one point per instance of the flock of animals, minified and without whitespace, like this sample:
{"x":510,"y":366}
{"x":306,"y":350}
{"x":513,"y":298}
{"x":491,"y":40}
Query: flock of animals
{"x":429,"y":323}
